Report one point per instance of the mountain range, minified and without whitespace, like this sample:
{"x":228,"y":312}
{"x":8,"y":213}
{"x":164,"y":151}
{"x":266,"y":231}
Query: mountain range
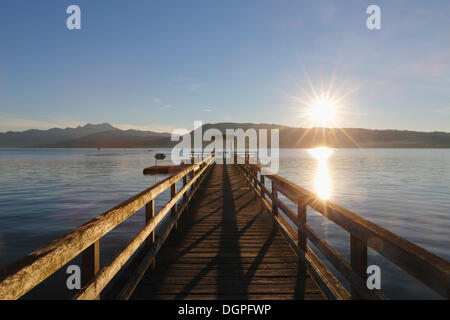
{"x":106,"y":136}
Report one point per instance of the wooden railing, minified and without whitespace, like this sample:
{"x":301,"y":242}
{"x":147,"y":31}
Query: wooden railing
{"x":28,"y":272}
{"x":430,"y":269}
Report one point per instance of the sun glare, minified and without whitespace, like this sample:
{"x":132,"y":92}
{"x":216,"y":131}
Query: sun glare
{"x":322,"y":180}
{"x":322,"y":111}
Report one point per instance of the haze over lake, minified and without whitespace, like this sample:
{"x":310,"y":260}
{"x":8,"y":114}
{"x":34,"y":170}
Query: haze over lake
{"x":46,"y":192}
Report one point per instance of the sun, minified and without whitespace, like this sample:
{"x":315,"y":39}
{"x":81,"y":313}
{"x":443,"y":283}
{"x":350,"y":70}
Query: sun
{"x":324,"y":105}
{"x":322,"y":111}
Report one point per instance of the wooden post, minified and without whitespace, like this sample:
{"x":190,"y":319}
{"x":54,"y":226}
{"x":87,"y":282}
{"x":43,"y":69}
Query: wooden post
{"x":252,"y":175}
{"x":263,"y":183}
{"x":301,"y":221}
{"x":149,"y":214}
{"x":186,"y":193}
{"x":301,"y":238}
{"x":90,"y":261}
{"x":358,"y":256}
{"x":173,"y":192}
{"x":274,"y":200}
{"x":184,"y":184}
{"x":191,"y":174}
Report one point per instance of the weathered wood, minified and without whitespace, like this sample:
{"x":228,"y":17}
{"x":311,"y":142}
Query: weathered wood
{"x":173,"y":193}
{"x":149,"y":215}
{"x":217,"y":232}
{"x":430,"y":269}
{"x":90,"y":262}
{"x":262,"y":181}
{"x":301,"y":221}
{"x":231,"y":246}
{"x":331,"y":287}
{"x":274,"y":199}
{"x":184,"y":184}
{"x":31,"y":270}
{"x":340,"y":264}
{"x":96,"y":285}
{"x":358,"y":257}
{"x":131,"y":283}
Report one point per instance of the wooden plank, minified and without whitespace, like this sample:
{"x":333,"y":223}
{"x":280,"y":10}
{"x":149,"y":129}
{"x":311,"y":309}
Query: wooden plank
{"x":232,"y":289}
{"x":227,"y":255}
{"x":183,"y":280}
{"x":216,"y":272}
{"x":277,"y":296}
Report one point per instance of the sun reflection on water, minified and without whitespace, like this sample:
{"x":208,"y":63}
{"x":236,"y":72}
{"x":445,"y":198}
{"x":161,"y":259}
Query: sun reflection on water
{"x":322,"y":180}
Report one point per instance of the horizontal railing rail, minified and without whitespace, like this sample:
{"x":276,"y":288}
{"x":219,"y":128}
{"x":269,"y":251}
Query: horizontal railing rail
{"x":31,"y":270}
{"x":427,"y":267}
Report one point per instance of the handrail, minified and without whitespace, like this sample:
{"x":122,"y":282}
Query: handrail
{"x":427,"y":267}
{"x":31,"y":270}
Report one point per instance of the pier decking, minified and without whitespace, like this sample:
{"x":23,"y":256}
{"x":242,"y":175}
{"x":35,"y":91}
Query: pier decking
{"x":227,"y":248}
{"x":225,"y":234}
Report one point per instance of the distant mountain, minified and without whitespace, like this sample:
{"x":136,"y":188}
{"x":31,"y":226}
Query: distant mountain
{"x":34,"y":137}
{"x":291,"y":137}
{"x":106,"y":136}
{"x":118,"y":139}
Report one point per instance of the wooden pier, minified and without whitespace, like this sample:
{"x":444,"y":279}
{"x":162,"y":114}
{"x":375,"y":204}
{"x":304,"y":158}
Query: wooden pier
{"x":225,"y":235}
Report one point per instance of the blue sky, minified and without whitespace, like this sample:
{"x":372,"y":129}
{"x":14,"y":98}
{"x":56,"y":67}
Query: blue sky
{"x":163,"y":64}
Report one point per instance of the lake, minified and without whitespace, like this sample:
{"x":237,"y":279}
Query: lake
{"x":45,"y":193}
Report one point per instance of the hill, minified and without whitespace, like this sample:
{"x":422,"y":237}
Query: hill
{"x":106,"y":136}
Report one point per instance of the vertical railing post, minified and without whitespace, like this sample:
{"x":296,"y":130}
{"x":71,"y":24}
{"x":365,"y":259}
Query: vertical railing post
{"x":263,"y":183}
{"x":301,"y":222}
{"x":191,"y":174}
{"x":90,"y":261}
{"x":149,"y":214}
{"x":185,"y":194}
{"x":173,"y":192}
{"x":274,"y":199}
{"x":301,"y":238}
{"x":358,"y":256}
{"x":184,"y":184}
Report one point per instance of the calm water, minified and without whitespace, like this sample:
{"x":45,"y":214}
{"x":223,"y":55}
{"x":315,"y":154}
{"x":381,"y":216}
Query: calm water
{"x":45,"y":193}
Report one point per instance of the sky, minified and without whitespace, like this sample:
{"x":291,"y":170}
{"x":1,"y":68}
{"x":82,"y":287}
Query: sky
{"x":160,"y":65}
